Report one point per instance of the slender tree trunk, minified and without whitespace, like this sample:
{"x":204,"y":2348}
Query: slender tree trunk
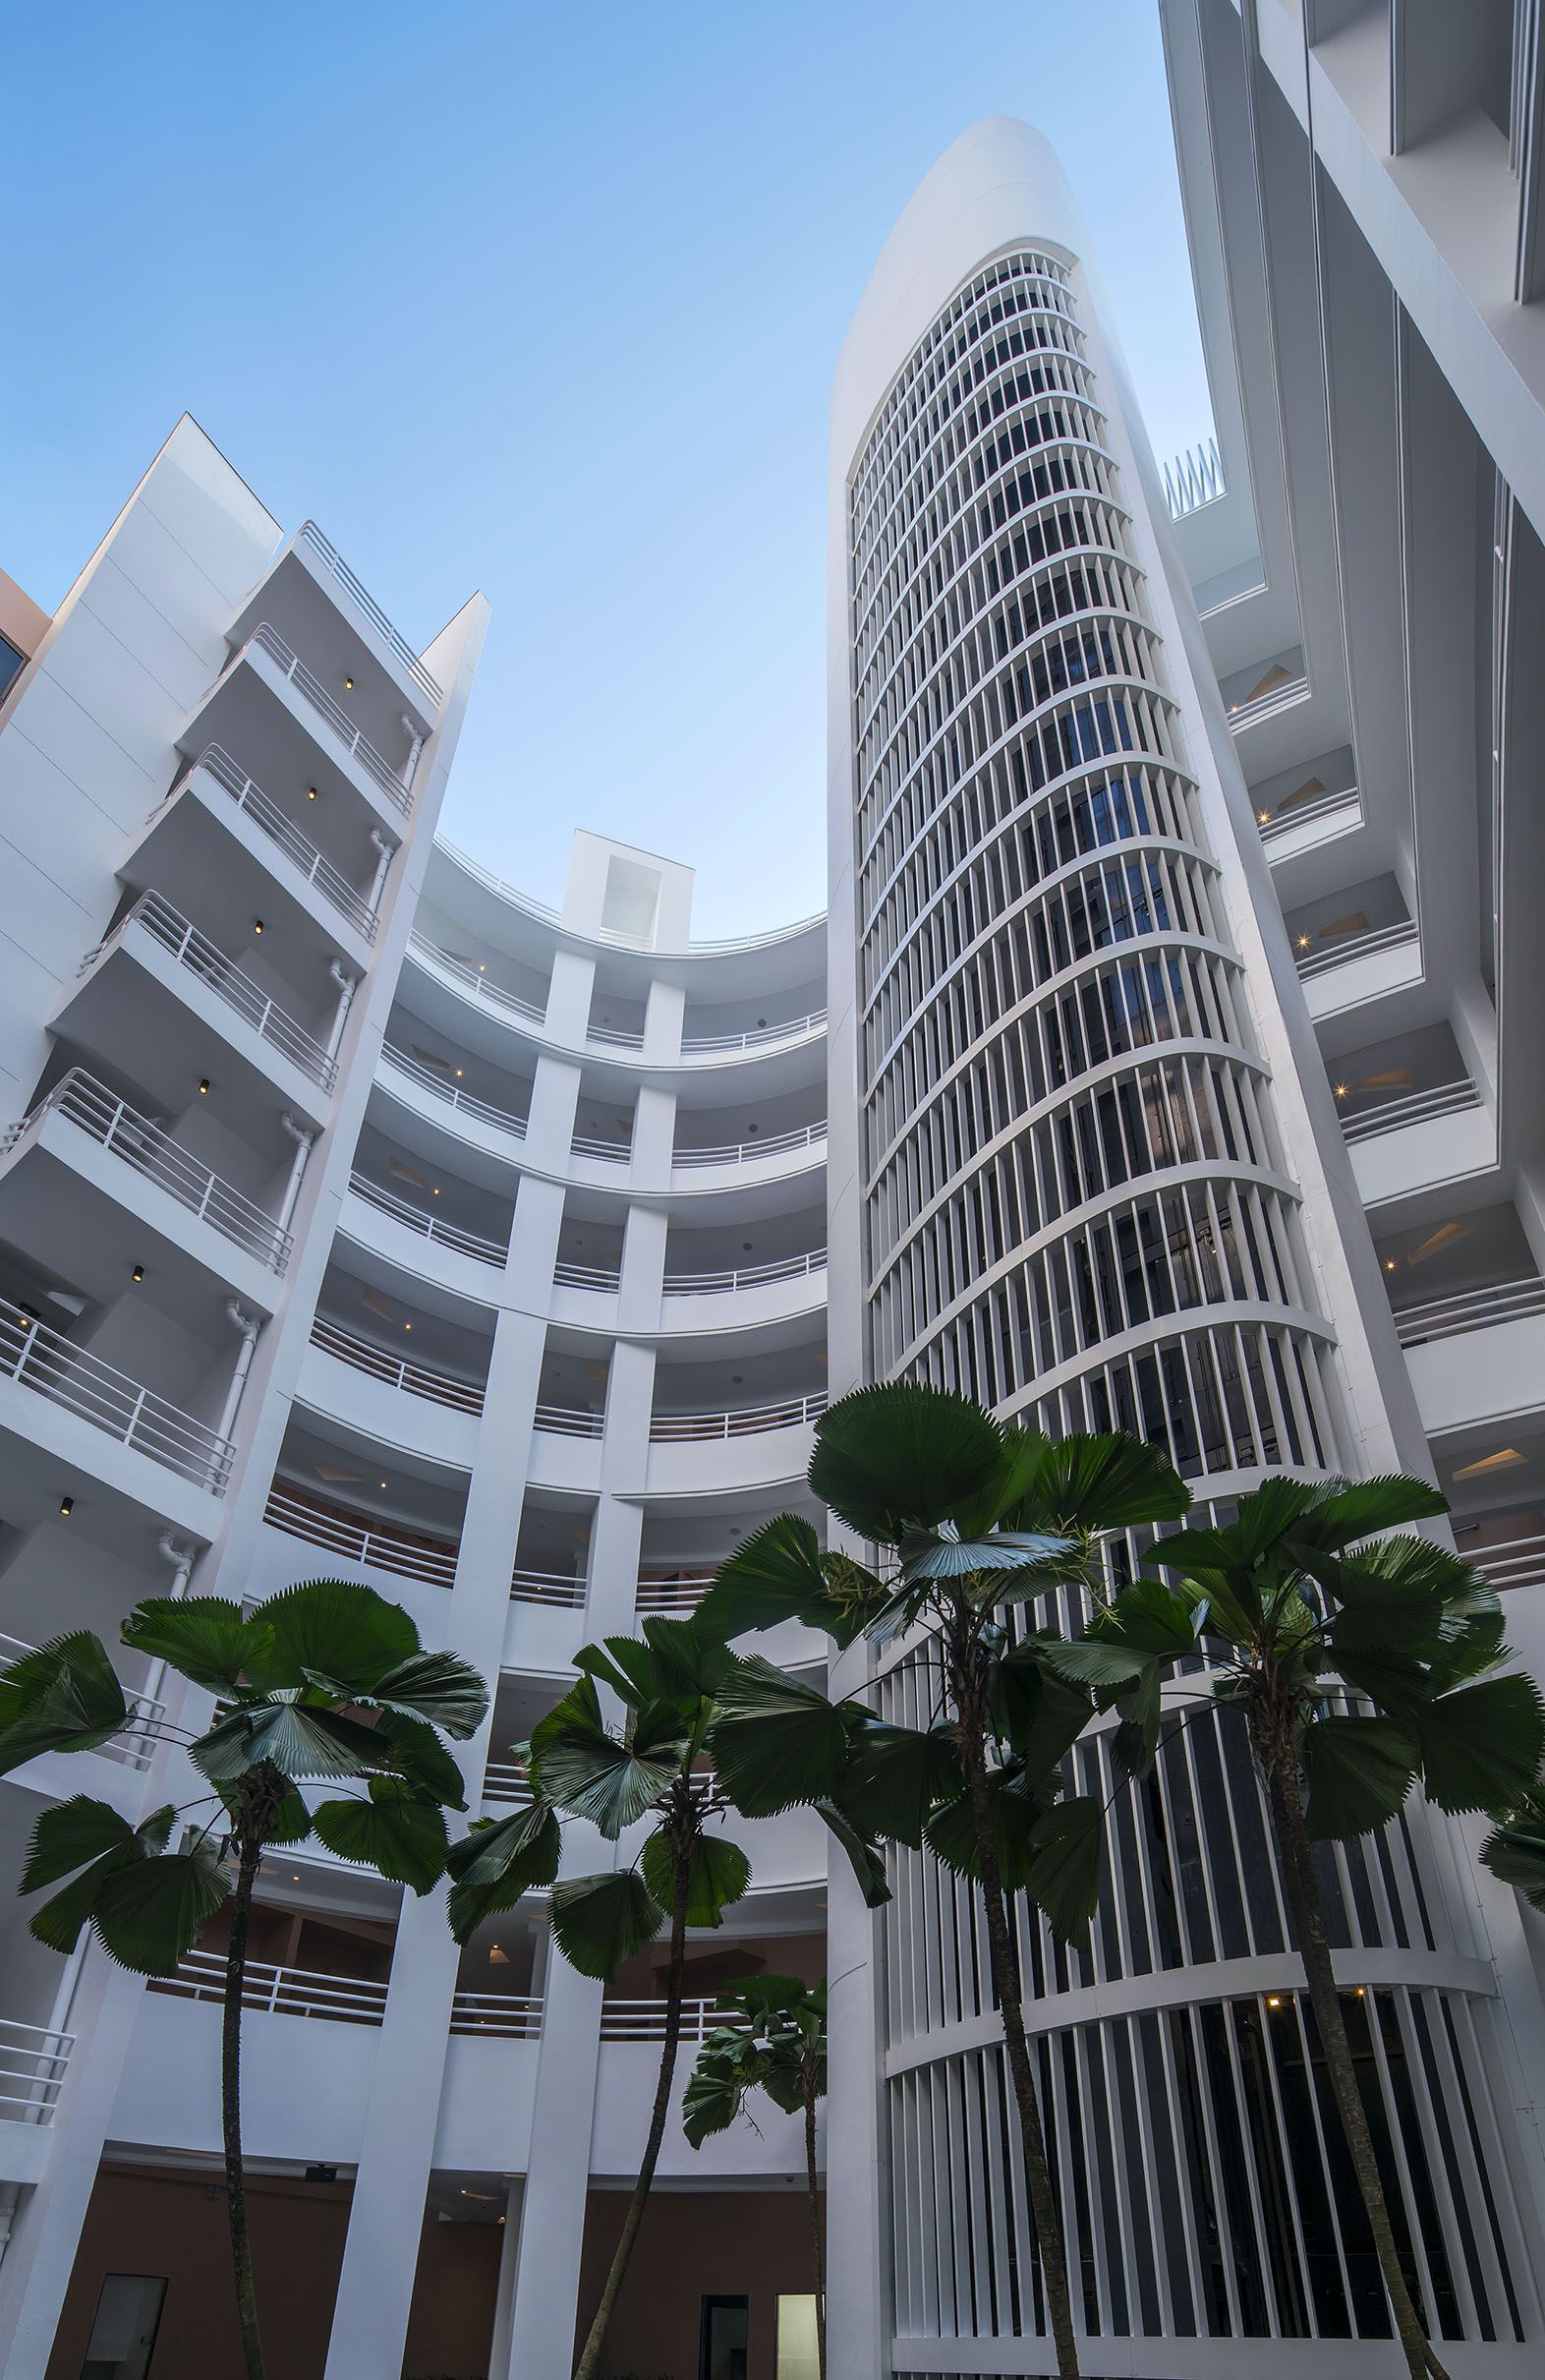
{"x":969,"y":1689}
{"x":817,"y":2242}
{"x":1271,"y":1731}
{"x":596,"y":2339}
{"x":251,"y":1859}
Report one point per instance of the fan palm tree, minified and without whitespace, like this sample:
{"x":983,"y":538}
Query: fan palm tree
{"x":778,"y":2046}
{"x":686,"y":1874}
{"x":1300,"y":1611}
{"x":1515,"y":1849}
{"x":327,"y":1680}
{"x":973,"y":1518}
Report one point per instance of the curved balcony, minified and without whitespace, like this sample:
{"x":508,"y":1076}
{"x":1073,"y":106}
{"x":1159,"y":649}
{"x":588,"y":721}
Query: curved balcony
{"x":749,"y":1446}
{"x":472,"y":1245}
{"x":37,"y":1360}
{"x":548,"y":1587}
{"x":469,"y":1111}
{"x":1514,"y":1562}
{"x":1416,"y":1107}
{"x":386,"y":1401}
{"x":501,"y":2015}
{"x":680,"y":1593}
{"x":1468,"y":1310}
{"x":740,"y":1421}
{"x":81,"y":1117}
{"x":33,"y":2060}
{"x":278,"y":1991}
{"x":372,"y":1545}
{"x":196,"y":956}
{"x":475,"y":982}
{"x":727,"y":1163}
{"x":414,"y":1379}
{"x":709,"y":1049}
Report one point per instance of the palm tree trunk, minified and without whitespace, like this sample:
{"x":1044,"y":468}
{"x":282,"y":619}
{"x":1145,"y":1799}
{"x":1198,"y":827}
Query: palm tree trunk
{"x":1271,"y":1733}
{"x":251,"y":1858}
{"x":970,"y":1698}
{"x":596,"y":2338}
{"x":817,"y":2242}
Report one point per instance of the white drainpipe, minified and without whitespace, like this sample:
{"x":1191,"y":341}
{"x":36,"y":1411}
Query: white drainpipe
{"x":414,"y":747}
{"x":347,"y":985}
{"x":249,"y":1326}
{"x":303,"y":1137}
{"x":182,"y":1558}
{"x":388,"y":850}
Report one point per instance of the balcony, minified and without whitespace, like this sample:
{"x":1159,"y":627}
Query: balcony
{"x":278,"y":1991}
{"x":679,"y":1593}
{"x":559,"y":1588}
{"x":745,"y":1276}
{"x":325,"y":553}
{"x":150,"y":994}
{"x":505,"y":2015}
{"x":356,"y":746}
{"x":1415,"y":1107}
{"x":645,"y":2020}
{"x":1469,"y":1309}
{"x":414,"y":1379}
{"x":482,"y":1249}
{"x":33,"y":2064}
{"x":1513,"y":1562}
{"x":358,"y":1536}
{"x":470,"y":977}
{"x":188,"y":839}
{"x":443,"y":1086}
{"x":37,"y":1360}
{"x":742,"y":1421}
{"x":81,"y":1117}
{"x":804,"y":1142}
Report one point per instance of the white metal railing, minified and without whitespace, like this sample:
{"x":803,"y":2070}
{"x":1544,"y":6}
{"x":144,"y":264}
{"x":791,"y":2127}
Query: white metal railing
{"x":377,"y":768}
{"x":1335,"y":953}
{"x":680,"y":1594}
{"x":1513,"y":1562}
{"x":33,"y":2063}
{"x":396,"y":644}
{"x":792,"y":1029}
{"x":134,"y":1744}
{"x":607,"y":1152}
{"x":1194,"y":479}
{"x":570,"y":1421}
{"x":38,"y":1358}
{"x":746,"y":1276}
{"x":471,"y":974}
{"x":645,"y":2020}
{"x":605,"y":1278}
{"x":279,"y":1991}
{"x":404,"y":1552}
{"x":1468,"y":1310}
{"x":429,"y":1226}
{"x":507,"y":1783}
{"x":1415,"y":1107}
{"x":1303,"y":813}
{"x":745,"y":1420}
{"x":453,"y":1093}
{"x":119,"y":1129}
{"x":615,"y":1036}
{"x":438,"y":1387}
{"x":317,"y":869}
{"x":546,"y":1587}
{"x":202,"y":958}
{"x":767,"y":1144}
{"x":510,"y":2016}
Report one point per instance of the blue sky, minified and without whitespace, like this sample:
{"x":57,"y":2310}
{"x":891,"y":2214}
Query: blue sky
{"x":542,"y":299}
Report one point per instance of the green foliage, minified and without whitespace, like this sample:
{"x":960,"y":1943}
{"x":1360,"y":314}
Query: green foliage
{"x":144,"y":1903}
{"x":779,"y":2047}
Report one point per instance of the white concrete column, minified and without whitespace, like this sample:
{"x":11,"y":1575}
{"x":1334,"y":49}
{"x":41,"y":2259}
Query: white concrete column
{"x":538,"y":2285}
{"x":654,"y":1138}
{"x":549,"y":1125}
{"x":385,"y":2220}
{"x":569,"y":996}
{"x":662,"y":1017}
{"x":858,"y":2185}
{"x":643,"y":1269}
{"x":39,"y":2258}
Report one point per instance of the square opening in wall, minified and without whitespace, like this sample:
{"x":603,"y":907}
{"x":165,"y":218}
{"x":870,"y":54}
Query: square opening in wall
{"x":631,"y":905}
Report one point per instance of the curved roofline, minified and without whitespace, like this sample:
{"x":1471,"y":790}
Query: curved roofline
{"x":545,"y":915}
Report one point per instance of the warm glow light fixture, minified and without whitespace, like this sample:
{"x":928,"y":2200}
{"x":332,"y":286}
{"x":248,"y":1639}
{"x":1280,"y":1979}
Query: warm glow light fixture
{"x":138,"y":1274}
{"x":66,"y":1507}
{"x":203,"y":1087}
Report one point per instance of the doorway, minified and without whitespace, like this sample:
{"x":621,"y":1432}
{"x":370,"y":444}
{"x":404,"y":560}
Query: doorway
{"x":123,"y":2335}
{"x":726,"y":2327}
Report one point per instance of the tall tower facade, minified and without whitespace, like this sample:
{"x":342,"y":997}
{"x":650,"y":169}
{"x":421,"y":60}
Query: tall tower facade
{"x":1091,"y":1177}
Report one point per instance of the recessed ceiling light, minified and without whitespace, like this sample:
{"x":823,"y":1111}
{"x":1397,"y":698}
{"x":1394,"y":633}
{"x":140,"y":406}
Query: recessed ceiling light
{"x":348,"y":685}
{"x":138,"y":1274}
{"x":1503,"y":1460}
{"x":66,"y":1507}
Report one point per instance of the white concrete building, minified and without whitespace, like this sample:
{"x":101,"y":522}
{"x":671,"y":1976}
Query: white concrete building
{"x":1168,"y":1092}
{"x":360,"y":1217}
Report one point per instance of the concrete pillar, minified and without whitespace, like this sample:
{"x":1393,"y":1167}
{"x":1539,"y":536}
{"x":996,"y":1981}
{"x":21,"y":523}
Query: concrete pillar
{"x":654,"y":1138}
{"x":858,"y":2188}
{"x":381,"y":2253}
{"x":569,"y":996}
{"x":538,"y":2285}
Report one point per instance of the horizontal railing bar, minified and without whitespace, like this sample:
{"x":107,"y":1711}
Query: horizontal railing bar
{"x":755,"y":1038}
{"x":1415,"y":1107}
{"x":438,"y":1387}
{"x":453,"y":1095}
{"x":1468,"y":1310}
{"x":119,"y":1129}
{"x":40,"y":1359}
{"x":746,"y":1276}
{"x":396,"y":643}
{"x":476,"y":979}
{"x":546,"y":1587}
{"x":570,"y":1421}
{"x":1303,"y":813}
{"x":355,"y":742}
{"x":645,"y":2020}
{"x":743,"y":1421}
{"x":229,"y":982}
{"x":736,"y":1152}
{"x":313,"y":863}
{"x":375,"y":1545}
{"x":516,"y":2016}
{"x":1354,"y":946}
{"x":602,"y":1277}
{"x":429,"y":1226}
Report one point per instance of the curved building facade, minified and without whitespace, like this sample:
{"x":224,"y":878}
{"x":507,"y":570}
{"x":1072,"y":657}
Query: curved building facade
{"x":1084,"y":1184}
